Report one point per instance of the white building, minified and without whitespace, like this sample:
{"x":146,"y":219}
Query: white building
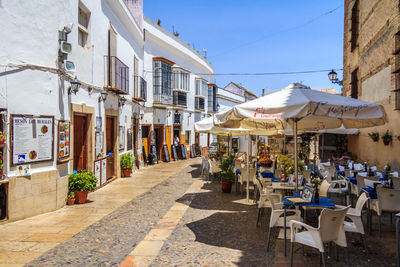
{"x":179,"y":90}
{"x":52,"y":126}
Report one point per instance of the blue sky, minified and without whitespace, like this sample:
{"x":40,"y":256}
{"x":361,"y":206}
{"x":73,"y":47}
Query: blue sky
{"x":254,"y":36}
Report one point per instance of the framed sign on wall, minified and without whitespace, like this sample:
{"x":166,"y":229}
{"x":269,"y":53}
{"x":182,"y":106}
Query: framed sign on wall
{"x":32,"y":139}
{"x":63,"y":143}
{"x":121,"y":138}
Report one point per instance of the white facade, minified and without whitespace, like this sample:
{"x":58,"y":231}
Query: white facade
{"x":164,"y":50}
{"x":32,"y":83}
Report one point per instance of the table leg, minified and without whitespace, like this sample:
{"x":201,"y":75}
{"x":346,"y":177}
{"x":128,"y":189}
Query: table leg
{"x":369,"y":216}
{"x":284,"y":229}
{"x":397,"y":241}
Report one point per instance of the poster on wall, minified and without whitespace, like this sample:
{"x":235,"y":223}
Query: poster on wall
{"x":32,"y":139}
{"x":121,"y":137}
{"x":99,"y":144}
{"x":98,"y":124}
{"x":97,"y":172}
{"x":63,"y":140}
{"x":103,"y":171}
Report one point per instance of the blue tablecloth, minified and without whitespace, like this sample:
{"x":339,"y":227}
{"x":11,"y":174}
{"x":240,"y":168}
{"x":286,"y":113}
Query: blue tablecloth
{"x":323,"y":203}
{"x":352,"y":180}
{"x":371,"y":191}
{"x":267,"y":175}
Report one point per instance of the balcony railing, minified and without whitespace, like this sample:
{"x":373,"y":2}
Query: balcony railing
{"x":139,"y":94}
{"x":116,"y":75}
{"x":177,"y":118}
{"x":180,"y":99}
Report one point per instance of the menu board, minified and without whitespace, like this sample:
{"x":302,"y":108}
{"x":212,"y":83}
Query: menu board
{"x":63,"y":140}
{"x":99,"y":144}
{"x":97,"y":172}
{"x":154,"y":153}
{"x":183,"y":151}
{"x":129,"y":139}
{"x":103,"y":171}
{"x":174,"y":152}
{"x":193,"y":151}
{"x":32,"y":139}
{"x":166,"y":153}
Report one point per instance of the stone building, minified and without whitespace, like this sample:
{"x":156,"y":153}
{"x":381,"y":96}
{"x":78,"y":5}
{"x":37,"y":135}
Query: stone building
{"x":371,"y":72}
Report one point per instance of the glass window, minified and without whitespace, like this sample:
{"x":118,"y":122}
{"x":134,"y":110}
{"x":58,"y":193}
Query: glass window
{"x":162,"y":81}
{"x":83,"y":25}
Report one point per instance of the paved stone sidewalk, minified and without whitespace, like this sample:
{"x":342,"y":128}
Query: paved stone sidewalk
{"x":26,"y":240}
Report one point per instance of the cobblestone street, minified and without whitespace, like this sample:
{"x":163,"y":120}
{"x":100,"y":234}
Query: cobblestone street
{"x":164,"y":215}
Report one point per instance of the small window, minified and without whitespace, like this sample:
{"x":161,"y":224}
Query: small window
{"x":354,"y":25}
{"x":354,"y":84}
{"x":187,"y":138}
{"x":83,"y":25}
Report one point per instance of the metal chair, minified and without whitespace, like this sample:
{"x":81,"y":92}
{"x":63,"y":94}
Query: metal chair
{"x":330,"y":229}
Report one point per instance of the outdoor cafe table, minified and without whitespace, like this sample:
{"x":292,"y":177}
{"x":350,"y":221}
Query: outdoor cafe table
{"x":284,"y":186}
{"x":323,"y":203}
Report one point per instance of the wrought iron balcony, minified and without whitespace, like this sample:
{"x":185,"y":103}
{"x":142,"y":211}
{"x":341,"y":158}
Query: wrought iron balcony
{"x":116,"y":75}
{"x":177,"y":118}
{"x":140,"y":89}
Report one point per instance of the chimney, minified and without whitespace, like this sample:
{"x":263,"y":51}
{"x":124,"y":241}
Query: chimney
{"x":136,"y":9}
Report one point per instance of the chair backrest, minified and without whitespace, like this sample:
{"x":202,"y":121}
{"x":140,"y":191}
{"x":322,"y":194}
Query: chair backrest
{"x":277,"y":173}
{"x":372,"y":178}
{"x":215,"y":166}
{"x":271,"y":200}
{"x":323,"y":188}
{"x":331,"y":224}
{"x":396,"y":183}
{"x":259,"y":185}
{"x":388,"y":199}
{"x":347,"y":172}
{"x":331,"y":171}
{"x":362,"y":199}
{"x":243,"y":175}
{"x":360,"y":181}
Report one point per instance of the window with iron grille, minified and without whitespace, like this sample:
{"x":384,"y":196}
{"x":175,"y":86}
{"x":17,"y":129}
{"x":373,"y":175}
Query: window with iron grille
{"x":354,"y":25}
{"x":199,"y":103}
{"x":201,"y":88}
{"x":180,"y":99}
{"x":187,"y":138}
{"x":181,"y":79}
{"x":162,"y":81}
{"x":354,"y":84}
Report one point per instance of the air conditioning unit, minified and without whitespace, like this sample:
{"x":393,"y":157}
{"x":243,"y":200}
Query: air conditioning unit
{"x":65,"y":47}
{"x":69,"y":65}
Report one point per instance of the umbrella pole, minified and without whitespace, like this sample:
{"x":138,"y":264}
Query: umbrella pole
{"x":315,"y":151}
{"x":295,"y":153}
{"x":248,"y":165}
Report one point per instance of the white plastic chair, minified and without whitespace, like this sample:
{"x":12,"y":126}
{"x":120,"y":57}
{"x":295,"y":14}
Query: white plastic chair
{"x":355,"y":215}
{"x":324,"y":188}
{"x":277,"y":211}
{"x":330,"y":229}
{"x":243,"y":177}
{"x":205,"y":167}
{"x":388,"y":200}
{"x":263,"y":202}
{"x":214,"y":167}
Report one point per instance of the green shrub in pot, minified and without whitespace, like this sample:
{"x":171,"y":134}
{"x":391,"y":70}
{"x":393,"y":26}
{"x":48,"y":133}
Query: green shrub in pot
{"x":127,"y":161}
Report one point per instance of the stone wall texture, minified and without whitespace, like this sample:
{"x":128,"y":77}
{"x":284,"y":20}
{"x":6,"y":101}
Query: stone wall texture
{"x":378,"y":23}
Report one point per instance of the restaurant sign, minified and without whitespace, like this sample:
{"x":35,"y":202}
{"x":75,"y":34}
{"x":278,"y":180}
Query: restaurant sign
{"x":32,"y":139}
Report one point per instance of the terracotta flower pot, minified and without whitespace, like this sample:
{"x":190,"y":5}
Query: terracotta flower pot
{"x":226,"y":187}
{"x":81,"y":197}
{"x":2,"y":141}
{"x":375,"y":138}
{"x":127,"y":172}
{"x":386,"y":142}
{"x":70,"y":201}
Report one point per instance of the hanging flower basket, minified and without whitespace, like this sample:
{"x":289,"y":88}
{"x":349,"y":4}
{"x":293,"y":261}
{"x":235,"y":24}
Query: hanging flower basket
{"x":374,"y":136}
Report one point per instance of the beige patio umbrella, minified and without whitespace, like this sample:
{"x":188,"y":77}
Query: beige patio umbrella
{"x":304,"y":109}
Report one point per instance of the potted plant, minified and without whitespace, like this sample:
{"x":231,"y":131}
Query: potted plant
{"x":127,"y":161}
{"x":227,"y":173}
{"x":2,"y":138}
{"x":387,"y":138}
{"x":81,"y":183}
{"x":374,"y":136}
{"x":70,"y":198}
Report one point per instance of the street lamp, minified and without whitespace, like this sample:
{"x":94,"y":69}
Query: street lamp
{"x":121,"y":101}
{"x":218,"y":106}
{"x":333,"y":78}
{"x":75,"y":83}
{"x":103,"y":96}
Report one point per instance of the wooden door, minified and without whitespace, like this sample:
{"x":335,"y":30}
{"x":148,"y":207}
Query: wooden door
{"x":110,"y":143}
{"x":80,"y":142}
{"x":168,"y":139}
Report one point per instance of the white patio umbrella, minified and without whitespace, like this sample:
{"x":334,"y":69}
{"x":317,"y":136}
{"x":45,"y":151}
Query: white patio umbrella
{"x":304,"y":109}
